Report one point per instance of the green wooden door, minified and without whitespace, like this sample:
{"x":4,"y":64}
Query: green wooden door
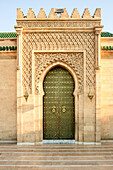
{"x":59,"y":116}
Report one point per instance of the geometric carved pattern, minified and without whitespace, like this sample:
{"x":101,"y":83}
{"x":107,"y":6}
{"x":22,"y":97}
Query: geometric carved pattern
{"x":75,"y":60}
{"x":58,"y":24}
{"x":58,"y":41}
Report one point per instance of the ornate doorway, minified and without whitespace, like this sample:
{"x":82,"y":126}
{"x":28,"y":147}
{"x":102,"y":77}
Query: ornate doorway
{"x":58,"y":110}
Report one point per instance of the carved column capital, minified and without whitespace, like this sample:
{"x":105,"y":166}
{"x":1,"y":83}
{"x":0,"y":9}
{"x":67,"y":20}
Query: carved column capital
{"x":19,"y":30}
{"x":97,"y":32}
{"x":98,"y":29}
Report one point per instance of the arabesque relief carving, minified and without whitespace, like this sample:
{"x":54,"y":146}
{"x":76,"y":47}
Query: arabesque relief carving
{"x":59,"y":41}
{"x":74,"y":60}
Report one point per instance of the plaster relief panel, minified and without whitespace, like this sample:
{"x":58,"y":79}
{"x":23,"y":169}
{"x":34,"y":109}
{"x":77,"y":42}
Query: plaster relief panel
{"x":58,"y":41}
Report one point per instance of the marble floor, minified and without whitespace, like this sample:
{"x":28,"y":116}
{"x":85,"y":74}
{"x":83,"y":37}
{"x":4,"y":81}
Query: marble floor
{"x":57,"y":156}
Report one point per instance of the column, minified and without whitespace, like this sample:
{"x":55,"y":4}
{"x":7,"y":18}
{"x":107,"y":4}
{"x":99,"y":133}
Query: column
{"x":19,"y":85}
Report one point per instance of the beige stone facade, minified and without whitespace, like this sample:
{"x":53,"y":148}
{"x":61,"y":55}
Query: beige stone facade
{"x":43,"y":43}
{"x":107,"y":90}
{"x":8,"y":92}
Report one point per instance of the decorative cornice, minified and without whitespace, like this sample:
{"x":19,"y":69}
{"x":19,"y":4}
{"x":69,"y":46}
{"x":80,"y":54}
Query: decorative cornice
{"x":13,"y":35}
{"x":58,"y":19}
{"x":106,"y":34}
{"x":98,"y":29}
{"x":8,"y":48}
{"x":108,"y":48}
{"x":58,"y":29}
{"x":19,"y":29}
{"x":8,"y":35}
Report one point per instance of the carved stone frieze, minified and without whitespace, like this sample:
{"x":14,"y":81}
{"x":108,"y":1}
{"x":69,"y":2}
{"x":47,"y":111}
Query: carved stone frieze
{"x":58,"y":41}
{"x":27,"y":24}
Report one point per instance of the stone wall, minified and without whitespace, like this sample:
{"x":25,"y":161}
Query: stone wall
{"x":107,"y":90}
{"x":8,"y":123}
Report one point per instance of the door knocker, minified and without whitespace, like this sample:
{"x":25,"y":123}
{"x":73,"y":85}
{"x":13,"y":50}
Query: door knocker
{"x":63,"y":109}
{"x":53,"y":109}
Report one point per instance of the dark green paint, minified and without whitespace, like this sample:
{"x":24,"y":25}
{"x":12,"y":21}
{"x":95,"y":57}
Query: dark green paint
{"x":14,"y":34}
{"x":8,"y":35}
{"x":59,"y":114}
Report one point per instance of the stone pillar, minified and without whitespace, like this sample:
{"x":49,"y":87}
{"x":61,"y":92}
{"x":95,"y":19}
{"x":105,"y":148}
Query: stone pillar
{"x":92,"y":107}
{"x":19,"y":30}
{"x":98,"y":84}
{"x":19,"y":85}
{"x":39,"y":114}
{"x":98,"y":107}
{"x":97,"y":45}
{"x":81,"y":117}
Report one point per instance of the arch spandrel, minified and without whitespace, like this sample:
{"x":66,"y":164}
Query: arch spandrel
{"x":53,"y":65}
{"x":65,"y":60}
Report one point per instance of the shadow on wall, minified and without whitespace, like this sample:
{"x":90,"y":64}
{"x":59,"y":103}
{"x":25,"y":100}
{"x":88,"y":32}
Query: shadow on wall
{"x":27,"y":107}
{"x":31,"y":128}
{"x":30,"y":135}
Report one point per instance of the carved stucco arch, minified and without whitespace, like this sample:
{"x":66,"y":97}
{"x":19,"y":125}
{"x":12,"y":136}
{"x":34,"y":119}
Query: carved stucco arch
{"x":74,"y":60}
{"x":41,"y":93}
{"x":61,"y":64}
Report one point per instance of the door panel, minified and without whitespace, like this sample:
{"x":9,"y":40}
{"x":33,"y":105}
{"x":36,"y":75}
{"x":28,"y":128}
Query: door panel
{"x":59,"y":114}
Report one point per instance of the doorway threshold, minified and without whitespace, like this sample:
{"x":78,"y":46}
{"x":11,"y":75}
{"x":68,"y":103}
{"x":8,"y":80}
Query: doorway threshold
{"x":59,"y":141}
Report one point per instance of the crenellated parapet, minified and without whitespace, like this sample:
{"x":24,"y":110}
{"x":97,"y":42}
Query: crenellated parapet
{"x":19,"y":13}
{"x":86,"y":14}
{"x":97,"y":13}
{"x":64,"y":14}
{"x":59,"y":17}
{"x":30,"y":13}
{"x":75,"y":13}
{"x":41,"y":14}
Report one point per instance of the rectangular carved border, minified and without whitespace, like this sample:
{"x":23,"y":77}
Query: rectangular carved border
{"x":79,"y":99}
{"x":34,"y":52}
